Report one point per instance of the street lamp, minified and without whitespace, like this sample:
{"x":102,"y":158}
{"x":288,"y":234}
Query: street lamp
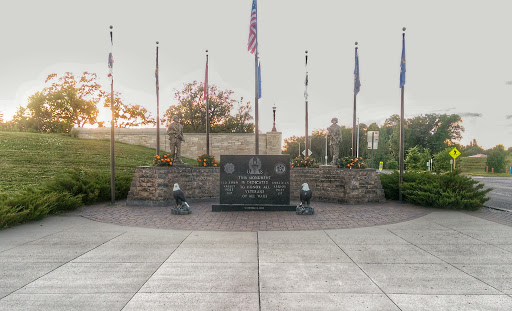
{"x":274,"y":111}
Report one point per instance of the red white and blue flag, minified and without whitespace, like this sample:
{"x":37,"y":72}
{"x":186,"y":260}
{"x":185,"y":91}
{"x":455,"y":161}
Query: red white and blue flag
{"x":253,"y":38}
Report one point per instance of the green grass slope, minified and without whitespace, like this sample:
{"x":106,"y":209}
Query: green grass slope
{"x":29,"y":159}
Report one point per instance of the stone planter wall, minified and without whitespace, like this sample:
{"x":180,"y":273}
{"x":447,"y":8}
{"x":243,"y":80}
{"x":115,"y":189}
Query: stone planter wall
{"x":153,"y":185}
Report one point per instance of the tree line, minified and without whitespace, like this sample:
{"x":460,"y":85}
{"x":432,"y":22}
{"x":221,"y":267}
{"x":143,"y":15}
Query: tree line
{"x":429,"y":136}
{"x":69,"y":101}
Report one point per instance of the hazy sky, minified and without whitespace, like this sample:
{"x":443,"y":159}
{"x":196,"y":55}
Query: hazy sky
{"x":459,"y":56}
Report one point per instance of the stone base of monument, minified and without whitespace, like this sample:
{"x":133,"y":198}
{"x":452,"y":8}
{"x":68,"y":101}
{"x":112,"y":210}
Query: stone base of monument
{"x":252,"y":207}
{"x":301,"y":210}
{"x":183,"y":210}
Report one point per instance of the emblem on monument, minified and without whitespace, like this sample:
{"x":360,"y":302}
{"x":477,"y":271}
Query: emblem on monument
{"x":280,"y":168}
{"x":255,"y":166}
{"x":229,"y":168}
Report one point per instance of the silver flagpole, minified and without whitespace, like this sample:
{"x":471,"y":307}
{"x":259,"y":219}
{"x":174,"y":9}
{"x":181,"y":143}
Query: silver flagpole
{"x":157,"y":105}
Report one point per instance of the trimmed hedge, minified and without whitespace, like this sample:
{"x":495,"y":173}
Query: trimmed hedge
{"x":67,"y":192}
{"x":450,"y":190}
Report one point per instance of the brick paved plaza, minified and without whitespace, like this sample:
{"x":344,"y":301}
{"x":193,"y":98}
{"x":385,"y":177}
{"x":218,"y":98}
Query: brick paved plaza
{"x":346,"y":257}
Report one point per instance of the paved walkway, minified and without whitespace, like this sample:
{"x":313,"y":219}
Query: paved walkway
{"x":328,"y":216}
{"x":443,"y":260}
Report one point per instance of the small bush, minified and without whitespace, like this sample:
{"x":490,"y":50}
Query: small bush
{"x":303,"y":162}
{"x":164,"y":160}
{"x":206,"y":160}
{"x":450,"y":190}
{"x":351,"y":162}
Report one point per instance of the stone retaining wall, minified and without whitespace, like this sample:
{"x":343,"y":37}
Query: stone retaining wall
{"x":194,"y":144}
{"x":152,"y":186}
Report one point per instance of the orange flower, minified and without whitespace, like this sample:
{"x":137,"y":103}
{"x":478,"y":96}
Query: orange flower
{"x":204,"y":160}
{"x":215,"y":164}
{"x":204,"y":164}
{"x":170,"y":163}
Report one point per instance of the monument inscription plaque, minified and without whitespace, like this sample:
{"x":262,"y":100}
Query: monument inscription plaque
{"x":254,"y":182}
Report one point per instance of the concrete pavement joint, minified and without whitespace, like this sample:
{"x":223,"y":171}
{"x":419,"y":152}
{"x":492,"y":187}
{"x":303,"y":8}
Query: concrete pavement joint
{"x":64,"y":263}
{"x":373,"y":281}
{"x":155,"y":271}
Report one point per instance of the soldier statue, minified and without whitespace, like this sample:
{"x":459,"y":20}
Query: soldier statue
{"x":175,"y":132}
{"x":334,"y":138}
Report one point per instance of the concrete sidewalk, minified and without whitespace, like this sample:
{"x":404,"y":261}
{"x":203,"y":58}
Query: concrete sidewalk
{"x":444,"y":260}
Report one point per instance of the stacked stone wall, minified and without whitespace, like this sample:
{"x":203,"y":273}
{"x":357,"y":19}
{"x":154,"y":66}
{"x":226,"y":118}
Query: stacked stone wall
{"x":194,"y":144}
{"x":153,"y":185}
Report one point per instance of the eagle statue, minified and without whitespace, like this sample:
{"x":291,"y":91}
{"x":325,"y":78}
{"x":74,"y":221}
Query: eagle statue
{"x":305,"y":195}
{"x":179,"y":196}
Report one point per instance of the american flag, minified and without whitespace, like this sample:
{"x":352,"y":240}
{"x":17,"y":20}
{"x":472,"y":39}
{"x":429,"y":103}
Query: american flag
{"x":253,"y":40}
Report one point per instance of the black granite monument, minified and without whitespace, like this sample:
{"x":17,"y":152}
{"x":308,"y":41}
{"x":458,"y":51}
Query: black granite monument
{"x":254,"y":182}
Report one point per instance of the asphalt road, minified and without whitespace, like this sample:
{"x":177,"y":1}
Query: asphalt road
{"x":501,"y":196}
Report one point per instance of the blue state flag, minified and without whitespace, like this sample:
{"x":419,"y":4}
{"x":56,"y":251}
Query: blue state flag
{"x":357,"y":82}
{"x":402,"y":64}
{"x":259,"y":80}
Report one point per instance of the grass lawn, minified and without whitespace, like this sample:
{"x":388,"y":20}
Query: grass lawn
{"x":27,"y":159}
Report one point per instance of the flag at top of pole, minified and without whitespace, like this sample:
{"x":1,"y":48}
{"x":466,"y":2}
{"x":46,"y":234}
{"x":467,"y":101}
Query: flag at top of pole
{"x":357,"y":82}
{"x":111,"y":58}
{"x":205,"y":91}
{"x":306,"y":82}
{"x":253,"y":38}
{"x":157,"y":84}
{"x":402,"y":63}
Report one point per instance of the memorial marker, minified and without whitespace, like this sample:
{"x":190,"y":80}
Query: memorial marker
{"x":254,"y":182}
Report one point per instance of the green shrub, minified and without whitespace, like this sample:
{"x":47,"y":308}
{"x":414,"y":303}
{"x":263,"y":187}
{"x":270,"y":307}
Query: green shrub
{"x":33,"y":205}
{"x":496,"y":159}
{"x":416,"y":159}
{"x":392,"y":165}
{"x":442,"y":161}
{"x":69,"y":191}
{"x":450,"y":190}
{"x":390,"y":185}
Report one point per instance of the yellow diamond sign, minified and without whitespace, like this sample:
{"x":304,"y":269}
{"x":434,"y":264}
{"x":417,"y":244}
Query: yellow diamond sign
{"x":455,"y":153}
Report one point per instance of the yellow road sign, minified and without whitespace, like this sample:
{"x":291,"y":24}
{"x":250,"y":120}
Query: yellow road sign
{"x":455,"y":153}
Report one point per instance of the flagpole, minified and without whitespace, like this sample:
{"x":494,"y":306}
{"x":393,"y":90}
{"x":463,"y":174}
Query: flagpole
{"x":112,"y":124}
{"x":402,"y":133}
{"x":354,"y":153}
{"x":157,"y":105}
{"x":207,"y":108}
{"x":306,"y":151}
{"x":256,"y":87}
